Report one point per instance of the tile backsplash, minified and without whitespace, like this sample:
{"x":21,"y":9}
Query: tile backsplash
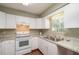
{"x":68,"y":32}
{"x":34,"y":32}
{"x":72,"y":32}
{"x":10,"y":34}
{"x":7,"y":34}
{"x":52,"y":34}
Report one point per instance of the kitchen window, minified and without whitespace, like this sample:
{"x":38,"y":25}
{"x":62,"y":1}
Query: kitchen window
{"x":57,"y":22}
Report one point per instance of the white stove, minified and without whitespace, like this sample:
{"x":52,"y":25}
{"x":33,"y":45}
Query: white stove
{"x":23,"y":43}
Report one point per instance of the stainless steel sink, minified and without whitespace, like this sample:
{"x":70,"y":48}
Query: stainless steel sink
{"x":52,"y":38}
{"x":55,"y":39}
{"x":46,"y":37}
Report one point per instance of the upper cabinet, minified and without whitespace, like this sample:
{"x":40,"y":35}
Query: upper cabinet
{"x":42,"y":23}
{"x":21,"y":19}
{"x":34,"y":23}
{"x":2,"y":20}
{"x":7,"y":21}
{"x":46,"y":23}
{"x":71,"y":16}
{"x":39,"y":24}
{"x":10,"y":21}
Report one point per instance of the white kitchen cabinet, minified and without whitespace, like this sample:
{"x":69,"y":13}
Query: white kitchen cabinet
{"x":42,"y":23}
{"x":43,"y":46}
{"x":7,"y":21}
{"x":2,"y":19}
{"x":47,"y":48}
{"x":35,"y":23}
{"x":8,"y":47}
{"x":40,"y":45}
{"x":46,"y":23}
{"x":10,"y":21}
{"x":26,"y":20}
{"x":34,"y":44}
{"x":52,"y":49}
{"x":38,"y":23}
{"x":0,"y":47}
{"x":32,"y":23}
{"x":71,"y":18}
{"x":21,"y":19}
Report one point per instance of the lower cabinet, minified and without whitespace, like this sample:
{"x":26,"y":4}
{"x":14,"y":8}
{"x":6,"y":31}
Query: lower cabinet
{"x":0,"y":49}
{"x":42,"y":44}
{"x":8,"y":47}
{"x":47,"y":48}
{"x":34,"y":44}
{"x":52,"y":49}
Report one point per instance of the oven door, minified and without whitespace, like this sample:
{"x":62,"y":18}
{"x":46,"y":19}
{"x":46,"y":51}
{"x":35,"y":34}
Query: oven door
{"x":23,"y":43}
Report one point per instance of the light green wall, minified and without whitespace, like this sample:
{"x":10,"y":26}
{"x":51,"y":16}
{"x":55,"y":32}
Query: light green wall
{"x":72,"y":32}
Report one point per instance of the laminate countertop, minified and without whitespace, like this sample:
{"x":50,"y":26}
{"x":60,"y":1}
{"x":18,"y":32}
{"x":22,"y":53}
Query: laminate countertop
{"x":68,"y":43}
{"x":72,"y":44}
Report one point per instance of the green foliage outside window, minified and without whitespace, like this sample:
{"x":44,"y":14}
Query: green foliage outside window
{"x":57,"y":22}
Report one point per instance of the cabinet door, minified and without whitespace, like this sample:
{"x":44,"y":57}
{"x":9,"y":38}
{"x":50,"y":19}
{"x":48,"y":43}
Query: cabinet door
{"x":71,"y":18}
{"x":52,"y":49}
{"x":40,"y":44}
{"x":43,"y":47}
{"x":34,"y":43}
{"x":8,"y":47}
{"x":27,"y":21}
{"x":2,"y":20}
{"x":42,"y":23}
{"x":19,"y":20}
{"x":39,"y":23}
{"x":32,"y":23}
{"x":0,"y":48}
{"x":10,"y":21}
{"x":45,"y":23}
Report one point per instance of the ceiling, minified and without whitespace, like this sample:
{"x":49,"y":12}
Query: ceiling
{"x":32,"y":8}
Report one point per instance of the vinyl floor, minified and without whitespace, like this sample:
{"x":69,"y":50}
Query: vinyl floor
{"x":36,"y":52}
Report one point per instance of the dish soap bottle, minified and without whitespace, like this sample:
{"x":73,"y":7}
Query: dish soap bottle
{"x":40,"y":33}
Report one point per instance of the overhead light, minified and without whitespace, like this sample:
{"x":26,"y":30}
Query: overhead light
{"x":26,"y":4}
